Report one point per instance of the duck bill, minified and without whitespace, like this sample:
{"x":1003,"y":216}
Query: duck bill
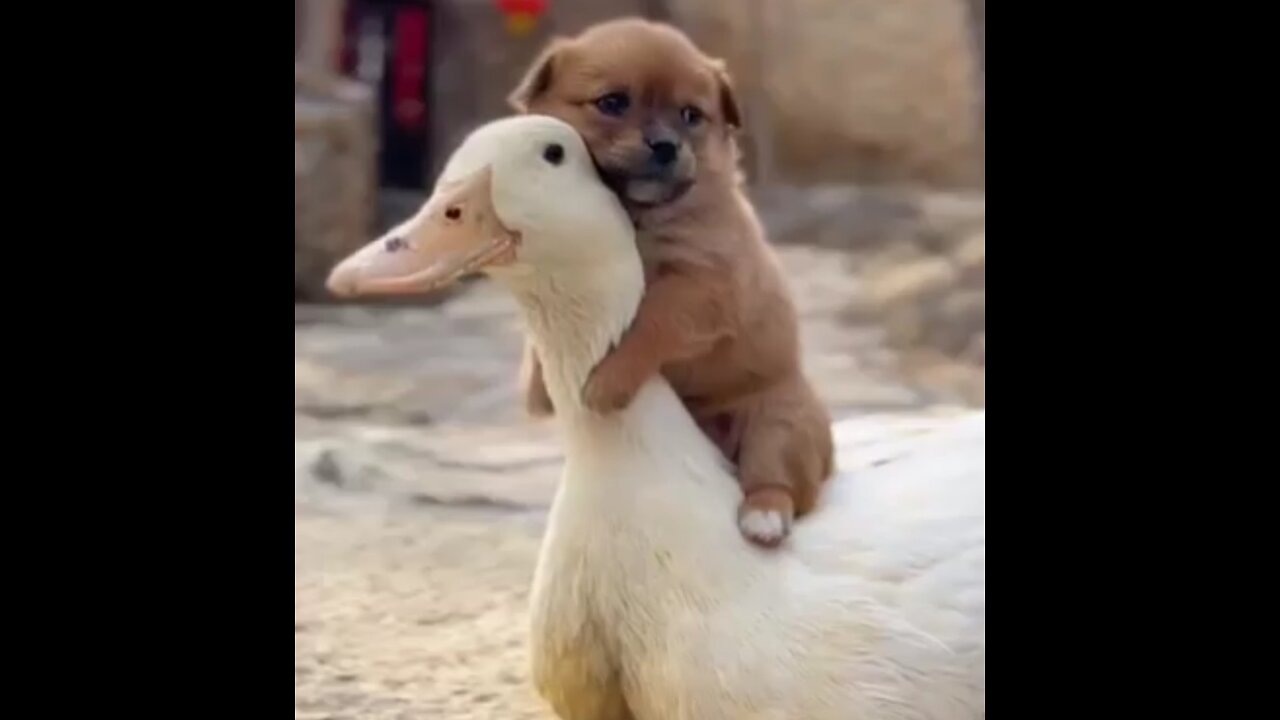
{"x":457,"y":233}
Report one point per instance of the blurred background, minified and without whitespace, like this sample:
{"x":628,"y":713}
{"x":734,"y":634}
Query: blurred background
{"x":420,"y":487}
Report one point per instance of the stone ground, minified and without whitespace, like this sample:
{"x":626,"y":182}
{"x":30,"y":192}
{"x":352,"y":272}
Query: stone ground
{"x":420,"y":491}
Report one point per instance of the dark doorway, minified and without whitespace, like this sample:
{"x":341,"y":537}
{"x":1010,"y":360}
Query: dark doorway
{"x":388,"y":45}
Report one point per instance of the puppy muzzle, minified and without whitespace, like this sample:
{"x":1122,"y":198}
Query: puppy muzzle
{"x":650,"y":182}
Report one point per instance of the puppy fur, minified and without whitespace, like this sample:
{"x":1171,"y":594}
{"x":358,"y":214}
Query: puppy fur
{"x":717,"y":319}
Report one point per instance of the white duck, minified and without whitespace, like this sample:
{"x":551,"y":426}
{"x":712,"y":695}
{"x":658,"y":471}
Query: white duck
{"x":646,"y":602}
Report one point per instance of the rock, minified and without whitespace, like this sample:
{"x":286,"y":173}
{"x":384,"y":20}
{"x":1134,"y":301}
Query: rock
{"x":870,"y":221}
{"x":862,"y":311}
{"x":972,"y":253}
{"x":971,"y":258}
{"x":892,"y":257}
{"x":916,"y":281}
{"x":960,"y":318}
{"x":904,"y":326}
{"x":977,"y":350}
{"x":949,"y":211}
{"x":952,"y":381}
{"x":344,"y":467}
{"x":920,"y":270}
{"x":837,"y":216}
{"x":922,"y":303}
{"x":325,"y":469}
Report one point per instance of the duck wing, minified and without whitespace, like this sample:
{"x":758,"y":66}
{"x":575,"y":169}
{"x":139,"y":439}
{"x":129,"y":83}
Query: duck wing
{"x":906,"y":517}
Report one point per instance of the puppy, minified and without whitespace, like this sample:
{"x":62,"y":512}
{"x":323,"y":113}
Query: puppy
{"x":717,"y":321}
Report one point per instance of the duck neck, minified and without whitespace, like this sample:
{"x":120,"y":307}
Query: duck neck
{"x":574,"y":319}
{"x":644,"y":469}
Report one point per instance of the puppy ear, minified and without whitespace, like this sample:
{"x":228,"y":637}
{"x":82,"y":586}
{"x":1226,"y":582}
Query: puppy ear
{"x":728,"y":99}
{"x":538,"y":78}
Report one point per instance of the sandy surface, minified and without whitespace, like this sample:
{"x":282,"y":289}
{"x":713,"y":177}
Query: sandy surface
{"x":421,"y":491}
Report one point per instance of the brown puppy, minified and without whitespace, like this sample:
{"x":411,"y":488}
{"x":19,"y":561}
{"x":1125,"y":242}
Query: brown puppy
{"x":717,"y":320}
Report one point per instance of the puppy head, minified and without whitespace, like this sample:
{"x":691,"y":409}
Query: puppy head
{"x":657,"y":115}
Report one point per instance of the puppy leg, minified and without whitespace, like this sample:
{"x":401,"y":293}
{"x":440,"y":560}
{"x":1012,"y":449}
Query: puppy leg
{"x":785,"y":457}
{"x":681,"y":316}
{"x":536,"y":400}
{"x":722,"y":428}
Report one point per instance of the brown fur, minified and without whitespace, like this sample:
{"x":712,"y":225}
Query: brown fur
{"x":717,"y":319}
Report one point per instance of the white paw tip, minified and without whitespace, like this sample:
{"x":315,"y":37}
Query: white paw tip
{"x":763,"y":525}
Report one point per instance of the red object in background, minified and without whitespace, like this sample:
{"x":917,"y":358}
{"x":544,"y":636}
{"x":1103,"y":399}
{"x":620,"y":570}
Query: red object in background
{"x":388,"y":48}
{"x":408,"y":67}
{"x":348,"y":54}
{"x":530,"y":7}
{"x":522,"y":15}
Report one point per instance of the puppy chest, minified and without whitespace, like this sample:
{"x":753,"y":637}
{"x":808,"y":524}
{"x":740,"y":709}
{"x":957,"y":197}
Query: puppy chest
{"x":731,"y":371}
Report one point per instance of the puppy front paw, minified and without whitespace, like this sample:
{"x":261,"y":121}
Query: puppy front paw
{"x":765,"y":516}
{"x":610,"y":388}
{"x":603,"y":397}
{"x":538,"y":403}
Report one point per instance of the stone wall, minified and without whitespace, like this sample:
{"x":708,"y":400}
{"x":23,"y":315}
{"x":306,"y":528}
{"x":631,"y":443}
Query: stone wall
{"x":334,"y":176}
{"x":872,"y":91}
{"x":868,"y":91}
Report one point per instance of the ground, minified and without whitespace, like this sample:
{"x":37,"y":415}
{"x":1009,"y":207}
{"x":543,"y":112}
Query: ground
{"x":421,"y":490}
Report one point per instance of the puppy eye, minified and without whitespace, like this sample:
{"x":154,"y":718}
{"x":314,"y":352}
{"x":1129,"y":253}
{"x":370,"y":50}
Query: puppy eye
{"x":613,"y":104}
{"x":453,"y":213}
{"x":553,"y":153}
{"x":691,"y":115}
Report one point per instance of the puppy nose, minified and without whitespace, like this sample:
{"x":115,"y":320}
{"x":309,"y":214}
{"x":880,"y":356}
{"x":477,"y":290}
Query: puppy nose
{"x":664,"y":151}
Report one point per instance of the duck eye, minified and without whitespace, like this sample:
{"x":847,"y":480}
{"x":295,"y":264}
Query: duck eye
{"x":691,"y":115}
{"x":553,"y":153}
{"x":613,"y":104}
{"x":453,"y":213}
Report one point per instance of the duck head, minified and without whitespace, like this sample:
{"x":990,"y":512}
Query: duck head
{"x":520,"y":196}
